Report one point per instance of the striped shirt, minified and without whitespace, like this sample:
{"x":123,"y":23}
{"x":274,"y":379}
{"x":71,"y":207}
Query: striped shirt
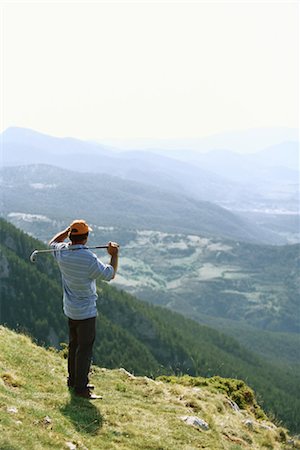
{"x":79,"y":270}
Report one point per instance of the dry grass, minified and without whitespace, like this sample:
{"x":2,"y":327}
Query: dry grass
{"x":38,"y":412}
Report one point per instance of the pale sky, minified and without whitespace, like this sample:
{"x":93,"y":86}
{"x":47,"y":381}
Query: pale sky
{"x":99,"y":70}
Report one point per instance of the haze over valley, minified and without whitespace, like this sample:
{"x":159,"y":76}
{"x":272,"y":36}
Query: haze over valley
{"x":261,"y":188}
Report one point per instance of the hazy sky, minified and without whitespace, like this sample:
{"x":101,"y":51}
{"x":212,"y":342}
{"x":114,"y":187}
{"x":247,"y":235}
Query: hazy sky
{"x":154,"y":69}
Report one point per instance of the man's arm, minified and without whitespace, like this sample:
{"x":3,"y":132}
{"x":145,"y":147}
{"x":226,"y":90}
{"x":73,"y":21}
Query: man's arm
{"x":60,"y":237}
{"x":113,"y":250}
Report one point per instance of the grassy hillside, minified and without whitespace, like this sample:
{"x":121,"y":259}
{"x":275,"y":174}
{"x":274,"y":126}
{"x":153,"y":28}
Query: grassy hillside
{"x":38,"y":412}
{"x":145,"y":339}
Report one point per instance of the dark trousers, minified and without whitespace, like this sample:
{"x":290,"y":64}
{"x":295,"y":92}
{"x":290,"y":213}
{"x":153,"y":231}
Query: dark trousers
{"x":81,"y":339}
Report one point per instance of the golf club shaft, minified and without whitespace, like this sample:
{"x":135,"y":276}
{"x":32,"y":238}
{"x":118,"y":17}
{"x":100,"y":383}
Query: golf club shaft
{"x":67,"y":249}
{"x":35,"y":252}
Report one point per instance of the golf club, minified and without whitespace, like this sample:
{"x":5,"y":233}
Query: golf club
{"x":34,"y":254}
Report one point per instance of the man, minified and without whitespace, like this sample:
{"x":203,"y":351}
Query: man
{"x":79,"y":270}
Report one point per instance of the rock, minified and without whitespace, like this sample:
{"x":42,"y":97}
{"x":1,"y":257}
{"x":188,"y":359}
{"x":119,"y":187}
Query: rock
{"x":149,"y":380}
{"x":196,"y":389}
{"x":196,"y":422}
{"x":70,"y":445}
{"x":125,"y":372}
{"x":47,"y":420}
{"x":265,"y":427}
{"x":232,"y":405}
{"x":268,"y":425}
{"x":249,"y":424}
{"x":12,"y":410}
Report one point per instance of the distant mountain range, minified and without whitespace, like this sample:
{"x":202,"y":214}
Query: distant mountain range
{"x":278,"y":163}
{"x":112,"y":201}
{"x":259,"y":185}
{"x":239,"y":141}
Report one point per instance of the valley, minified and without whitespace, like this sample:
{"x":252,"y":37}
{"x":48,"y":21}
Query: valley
{"x":243,"y":290}
{"x":144,"y":339}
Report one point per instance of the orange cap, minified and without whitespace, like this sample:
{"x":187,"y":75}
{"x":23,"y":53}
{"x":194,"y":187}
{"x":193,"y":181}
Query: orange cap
{"x":79,"y":227}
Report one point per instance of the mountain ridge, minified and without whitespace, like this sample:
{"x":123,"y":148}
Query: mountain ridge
{"x":43,"y":189}
{"x":250,"y":183}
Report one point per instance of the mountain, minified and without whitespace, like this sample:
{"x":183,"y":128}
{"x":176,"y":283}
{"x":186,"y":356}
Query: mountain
{"x":276,"y":164}
{"x":263,"y":186}
{"x":240,"y":141}
{"x":60,"y":194}
{"x":21,"y":146}
{"x":266,"y":184}
{"x":135,"y":412}
{"x":145,"y":339}
{"x":284,"y":154}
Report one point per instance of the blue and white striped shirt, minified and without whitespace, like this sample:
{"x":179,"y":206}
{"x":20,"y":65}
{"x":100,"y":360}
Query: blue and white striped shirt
{"x":79,"y":270}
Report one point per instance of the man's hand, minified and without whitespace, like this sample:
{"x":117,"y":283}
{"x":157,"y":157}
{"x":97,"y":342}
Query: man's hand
{"x":60,"y":237}
{"x":113,"y":248}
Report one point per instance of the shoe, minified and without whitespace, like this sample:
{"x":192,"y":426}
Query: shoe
{"x":88,"y":395}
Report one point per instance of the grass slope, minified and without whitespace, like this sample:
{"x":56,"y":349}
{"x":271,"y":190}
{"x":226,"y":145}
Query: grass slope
{"x":38,"y":412}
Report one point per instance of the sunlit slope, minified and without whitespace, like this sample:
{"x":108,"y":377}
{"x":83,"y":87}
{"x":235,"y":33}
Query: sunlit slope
{"x":38,"y":412}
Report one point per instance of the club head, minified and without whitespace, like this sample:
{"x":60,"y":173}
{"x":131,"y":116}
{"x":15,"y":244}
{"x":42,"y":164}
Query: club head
{"x":33,"y":256}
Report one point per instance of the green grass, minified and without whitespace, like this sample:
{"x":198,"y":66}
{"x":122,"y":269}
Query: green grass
{"x":38,"y":412}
